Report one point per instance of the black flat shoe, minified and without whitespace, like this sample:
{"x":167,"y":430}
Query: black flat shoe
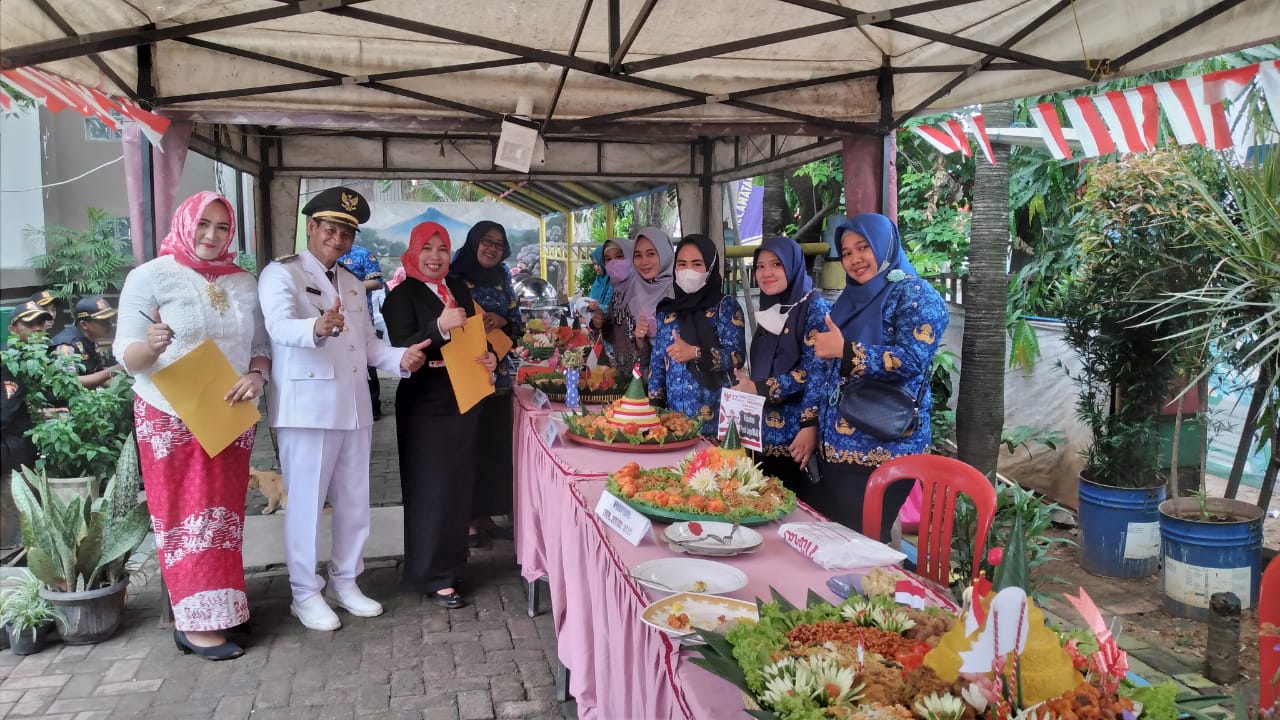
{"x":475,"y":540}
{"x":452,"y":601}
{"x":226,"y":651}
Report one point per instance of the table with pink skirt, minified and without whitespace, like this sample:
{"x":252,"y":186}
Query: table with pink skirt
{"x":619,"y":666}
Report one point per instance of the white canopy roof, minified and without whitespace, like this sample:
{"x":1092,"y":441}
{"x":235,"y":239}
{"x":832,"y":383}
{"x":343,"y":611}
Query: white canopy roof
{"x":614,"y":67}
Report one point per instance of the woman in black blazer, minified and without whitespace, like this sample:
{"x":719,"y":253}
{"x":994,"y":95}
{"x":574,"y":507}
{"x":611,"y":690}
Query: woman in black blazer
{"x":437,"y":444}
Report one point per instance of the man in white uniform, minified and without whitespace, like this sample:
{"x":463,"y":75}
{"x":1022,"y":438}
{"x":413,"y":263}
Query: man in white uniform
{"x":322,"y":339}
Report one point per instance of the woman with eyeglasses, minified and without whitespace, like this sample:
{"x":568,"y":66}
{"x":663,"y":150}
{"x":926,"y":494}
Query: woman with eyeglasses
{"x":479,"y":264}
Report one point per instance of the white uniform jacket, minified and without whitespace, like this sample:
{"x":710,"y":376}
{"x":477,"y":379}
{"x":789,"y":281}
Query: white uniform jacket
{"x":319,"y":382}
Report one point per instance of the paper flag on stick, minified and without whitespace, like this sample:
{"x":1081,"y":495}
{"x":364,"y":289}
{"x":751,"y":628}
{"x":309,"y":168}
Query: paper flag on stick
{"x":1005,"y":631}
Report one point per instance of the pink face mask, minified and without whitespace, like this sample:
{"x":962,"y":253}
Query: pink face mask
{"x":618,"y":270}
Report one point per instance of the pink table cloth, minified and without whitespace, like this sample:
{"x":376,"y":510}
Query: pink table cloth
{"x":619,"y":667}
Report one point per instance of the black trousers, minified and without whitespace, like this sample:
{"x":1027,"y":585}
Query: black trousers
{"x":494,"y":475}
{"x":437,"y":477}
{"x":375,"y":392}
{"x":840,"y":497}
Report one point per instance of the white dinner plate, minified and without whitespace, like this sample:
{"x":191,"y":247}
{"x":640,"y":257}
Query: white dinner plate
{"x":677,"y":574}
{"x":682,"y":536}
{"x":703,"y":611}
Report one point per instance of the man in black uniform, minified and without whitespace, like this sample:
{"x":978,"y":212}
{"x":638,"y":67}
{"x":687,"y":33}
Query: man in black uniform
{"x":94,"y":320}
{"x":16,"y":449}
{"x":52,"y":305}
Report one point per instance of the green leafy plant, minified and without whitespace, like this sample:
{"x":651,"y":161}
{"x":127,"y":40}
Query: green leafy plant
{"x":82,"y":262}
{"x":86,"y":440}
{"x":21,"y":606}
{"x":1014,"y":505}
{"x":37,"y":368}
{"x":1133,"y":248}
{"x":80,"y":544}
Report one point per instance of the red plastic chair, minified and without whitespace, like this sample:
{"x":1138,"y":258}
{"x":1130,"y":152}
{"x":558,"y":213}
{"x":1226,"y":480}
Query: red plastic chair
{"x":942,"y":478}
{"x":1269,"y":636}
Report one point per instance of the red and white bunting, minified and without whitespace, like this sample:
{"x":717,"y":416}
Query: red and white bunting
{"x":6,"y":102}
{"x":1089,"y":127}
{"x":978,"y":127}
{"x":58,"y":94}
{"x":1045,"y":116}
{"x":1129,"y":120}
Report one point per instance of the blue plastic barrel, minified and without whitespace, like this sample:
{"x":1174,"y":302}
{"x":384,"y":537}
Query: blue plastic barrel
{"x":1120,"y":530}
{"x":1206,"y":556}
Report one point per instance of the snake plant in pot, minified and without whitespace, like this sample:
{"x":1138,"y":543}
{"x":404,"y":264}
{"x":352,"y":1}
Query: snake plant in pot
{"x":78,"y":547}
{"x":26,"y":616}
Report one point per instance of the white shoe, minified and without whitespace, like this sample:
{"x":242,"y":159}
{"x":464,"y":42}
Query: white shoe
{"x":316,"y":614}
{"x":354,"y":601}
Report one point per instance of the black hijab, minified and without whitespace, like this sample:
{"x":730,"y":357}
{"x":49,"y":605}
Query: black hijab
{"x":691,"y":309}
{"x":773,"y":355}
{"x":466,"y":266}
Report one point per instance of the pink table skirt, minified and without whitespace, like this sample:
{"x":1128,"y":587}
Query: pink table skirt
{"x":620,"y":667}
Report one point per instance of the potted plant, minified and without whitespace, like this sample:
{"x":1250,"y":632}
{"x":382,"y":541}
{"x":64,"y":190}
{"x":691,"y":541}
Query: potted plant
{"x":78,"y":444}
{"x":28,"y":619}
{"x":1216,"y":543}
{"x":78,"y":548}
{"x":1133,"y":247}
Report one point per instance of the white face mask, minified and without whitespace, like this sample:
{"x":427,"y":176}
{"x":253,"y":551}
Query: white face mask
{"x":691,"y":281}
{"x":773,"y":319}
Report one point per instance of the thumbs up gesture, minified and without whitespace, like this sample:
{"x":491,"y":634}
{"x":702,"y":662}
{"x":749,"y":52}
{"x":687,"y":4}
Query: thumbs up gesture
{"x":830,"y":344}
{"x":451,"y":318}
{"x":413,"y":357}
{"x":679,"y":350}
{"x":331,"y":322}
{"x":642,"y":327}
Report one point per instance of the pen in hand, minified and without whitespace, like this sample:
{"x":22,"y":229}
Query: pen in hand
{"x":159,"y":335}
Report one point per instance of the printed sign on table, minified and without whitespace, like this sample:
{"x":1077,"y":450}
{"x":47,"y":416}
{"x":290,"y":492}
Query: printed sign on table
{"x":748,"y":410}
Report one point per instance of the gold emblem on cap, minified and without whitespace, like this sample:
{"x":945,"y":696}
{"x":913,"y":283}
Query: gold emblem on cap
{"x":349,"y":202}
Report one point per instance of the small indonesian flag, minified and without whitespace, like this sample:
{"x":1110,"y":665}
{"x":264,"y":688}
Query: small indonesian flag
{"x":940,"y":139}
{"x":978,"y":127}
{"x":1269,"y":80}
{"x":1130,"y":117}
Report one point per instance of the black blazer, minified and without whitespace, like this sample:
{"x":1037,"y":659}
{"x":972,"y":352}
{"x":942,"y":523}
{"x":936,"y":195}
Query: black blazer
{"x":411,"y":312}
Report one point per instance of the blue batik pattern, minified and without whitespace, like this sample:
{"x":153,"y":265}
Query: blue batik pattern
{"x":791,"y":399}
{"x":672,"y":384}
{"x":501,"y":299}
{"x":915,"y":316}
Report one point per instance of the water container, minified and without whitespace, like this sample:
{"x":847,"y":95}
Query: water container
{"x":1202,"y":557}
{"x":1120,"y":530}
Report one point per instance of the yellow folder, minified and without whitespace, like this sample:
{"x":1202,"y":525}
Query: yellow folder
{"x":195,"y":385}
{"x":472,"y":382}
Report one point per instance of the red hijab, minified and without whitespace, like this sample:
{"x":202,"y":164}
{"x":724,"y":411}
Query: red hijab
{"x":181,"y":240}
{"x":417,"y":240}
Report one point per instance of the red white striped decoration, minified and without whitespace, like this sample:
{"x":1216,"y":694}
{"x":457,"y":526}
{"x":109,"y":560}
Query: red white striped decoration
{"x":1129,"y":120}
{"x":1045,"y":116}
{"x":978,"y":127}
{"x":58,"y":94}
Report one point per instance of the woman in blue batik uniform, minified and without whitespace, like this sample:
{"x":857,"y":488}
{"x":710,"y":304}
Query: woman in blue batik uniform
{"x":701,"y":337}
{"x":886,"y":325}
{"x":479,"y":263}
{"x":784,"y":368}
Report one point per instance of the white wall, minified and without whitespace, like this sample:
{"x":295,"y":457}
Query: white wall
{"x":20,"y":168}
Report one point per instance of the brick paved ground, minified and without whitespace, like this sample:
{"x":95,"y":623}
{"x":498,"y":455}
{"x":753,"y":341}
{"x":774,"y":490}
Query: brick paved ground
{"x":489,"y":660}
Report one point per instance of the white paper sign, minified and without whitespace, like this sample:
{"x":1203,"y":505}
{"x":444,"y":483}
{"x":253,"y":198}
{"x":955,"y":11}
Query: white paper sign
{"x":540,"y":399}
{"x":748,"y":410}
{"x":552,"y":431}
{"x":623,"y":519}
{"x":1142,"y":541}
{"x":1193,"y":585}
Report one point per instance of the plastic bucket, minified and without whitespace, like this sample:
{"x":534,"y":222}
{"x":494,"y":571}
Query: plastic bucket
{"x":1120,"y":530}
{"x":1203,"y":557}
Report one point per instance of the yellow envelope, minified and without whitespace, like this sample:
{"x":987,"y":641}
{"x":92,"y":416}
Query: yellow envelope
{"x":195,"y":385}
{"x":472,"y":382}
{"x":501,"y":343}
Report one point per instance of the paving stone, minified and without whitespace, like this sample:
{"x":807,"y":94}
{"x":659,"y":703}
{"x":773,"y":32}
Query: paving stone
{"x":80,"y":685}
{"x":129,"y":687}
{"x":8,"y":697}
{"x":132,"y":706}
{"x":506,"y":688}
{"x":83,"y":704}
{"x":1195,"y":681}
{"x":34,"y":701}
{"x":25,"y":682}
{"x":475,"y":705}
{"x":527,"y":709}
{"x":406,"y":682}
{"x":372,"y":699}
{"x":93,"y":715}
{"x":234,"y":706}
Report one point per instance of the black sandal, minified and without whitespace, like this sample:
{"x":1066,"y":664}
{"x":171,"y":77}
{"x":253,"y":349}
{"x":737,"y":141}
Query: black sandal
{"x":226,"y":651}
{"x":452,"y":601}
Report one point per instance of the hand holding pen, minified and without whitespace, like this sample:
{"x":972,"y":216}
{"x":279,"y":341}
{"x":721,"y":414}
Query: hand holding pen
{"x":159,"y":335}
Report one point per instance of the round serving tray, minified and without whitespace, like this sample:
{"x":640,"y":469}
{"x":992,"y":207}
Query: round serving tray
{"x":624,"y":446}
{"x":657,"y":513}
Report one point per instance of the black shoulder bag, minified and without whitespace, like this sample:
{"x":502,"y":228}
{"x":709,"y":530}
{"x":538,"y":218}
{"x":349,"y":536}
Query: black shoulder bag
{"x":883,"y":410}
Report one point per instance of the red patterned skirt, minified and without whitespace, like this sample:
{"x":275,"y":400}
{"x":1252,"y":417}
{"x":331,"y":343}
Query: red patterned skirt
{"x":197,"y":512}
